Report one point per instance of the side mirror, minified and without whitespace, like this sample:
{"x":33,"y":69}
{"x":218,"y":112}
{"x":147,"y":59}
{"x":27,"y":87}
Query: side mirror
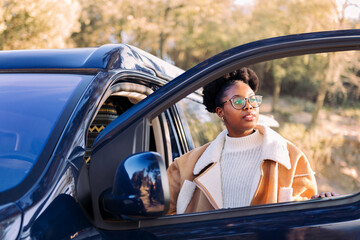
{"x":140,"y":189}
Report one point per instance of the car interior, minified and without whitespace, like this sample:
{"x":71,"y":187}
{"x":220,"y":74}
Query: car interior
{"x":122,"y":97}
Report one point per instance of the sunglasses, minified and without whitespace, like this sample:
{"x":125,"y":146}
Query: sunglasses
{"x":240,"y":102}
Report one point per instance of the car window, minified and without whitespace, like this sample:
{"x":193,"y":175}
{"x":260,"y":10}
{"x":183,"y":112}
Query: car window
{"x":30,"y":106}
{"x":310,"y":100}
{"x":164,"y":135}
{"x":121,"y":97}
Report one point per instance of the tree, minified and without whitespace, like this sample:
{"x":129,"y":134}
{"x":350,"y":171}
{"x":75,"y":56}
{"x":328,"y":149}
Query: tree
{"x":112,"y":21}
{"x":283,"y":17}
{"x":205,"y":29}
{"x":335,"y":66}
{"x":28,"y":24}
{"x":184,"y":32}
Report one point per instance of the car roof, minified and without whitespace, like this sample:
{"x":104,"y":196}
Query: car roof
{"x":87,"y":60}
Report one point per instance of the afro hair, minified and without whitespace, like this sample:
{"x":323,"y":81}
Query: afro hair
{"x":213,"y":92}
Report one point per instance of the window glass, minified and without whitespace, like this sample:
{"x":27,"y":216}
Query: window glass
{"x":310,"y":100}
{"x":30,"y":106}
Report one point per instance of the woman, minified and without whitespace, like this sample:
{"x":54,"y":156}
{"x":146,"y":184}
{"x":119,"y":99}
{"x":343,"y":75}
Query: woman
{"x":247,"y":164}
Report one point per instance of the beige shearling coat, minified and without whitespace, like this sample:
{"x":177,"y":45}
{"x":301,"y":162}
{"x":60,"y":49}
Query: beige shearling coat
{"x":195,"y":177}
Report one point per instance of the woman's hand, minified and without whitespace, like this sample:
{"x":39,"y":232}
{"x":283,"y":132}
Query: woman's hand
{"x":323,"y":195}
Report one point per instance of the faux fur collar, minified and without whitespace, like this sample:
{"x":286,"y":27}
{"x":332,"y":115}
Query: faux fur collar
{"x":274,"y":148}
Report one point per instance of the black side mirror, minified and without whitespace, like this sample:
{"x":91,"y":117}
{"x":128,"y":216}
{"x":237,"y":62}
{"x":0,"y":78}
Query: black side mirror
{"x":140,"y":189}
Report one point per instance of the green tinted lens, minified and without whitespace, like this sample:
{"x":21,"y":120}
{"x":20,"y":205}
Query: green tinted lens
{"x":252,"y":100}
{"x":238,"y":102}
{"x":258,"y":100}
{"x":255,"y":100}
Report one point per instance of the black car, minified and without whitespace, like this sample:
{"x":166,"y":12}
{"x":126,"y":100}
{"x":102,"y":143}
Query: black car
{"x":86,"y":136}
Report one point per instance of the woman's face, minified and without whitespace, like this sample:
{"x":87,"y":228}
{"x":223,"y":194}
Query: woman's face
{"x":239,"y":123}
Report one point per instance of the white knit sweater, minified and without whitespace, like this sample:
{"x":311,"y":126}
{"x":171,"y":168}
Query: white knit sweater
{"x":240,"y":169}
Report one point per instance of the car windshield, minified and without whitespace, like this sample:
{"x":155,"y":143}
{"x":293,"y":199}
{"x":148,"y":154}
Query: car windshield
{"x":30,"y":105}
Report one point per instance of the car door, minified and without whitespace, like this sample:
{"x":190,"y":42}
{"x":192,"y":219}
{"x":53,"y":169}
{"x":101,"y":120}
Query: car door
{"x":129,"y":134}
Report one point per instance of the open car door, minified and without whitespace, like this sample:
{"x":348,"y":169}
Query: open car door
{"x":130,"y":133}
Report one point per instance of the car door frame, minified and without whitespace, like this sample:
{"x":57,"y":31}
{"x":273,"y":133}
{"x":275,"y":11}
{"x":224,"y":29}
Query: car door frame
{"x":272,"y":216}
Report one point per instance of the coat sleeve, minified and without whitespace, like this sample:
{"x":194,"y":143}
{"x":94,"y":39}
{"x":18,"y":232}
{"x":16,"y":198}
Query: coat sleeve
{"x":174,"y":185}
{"x":304,"y":182}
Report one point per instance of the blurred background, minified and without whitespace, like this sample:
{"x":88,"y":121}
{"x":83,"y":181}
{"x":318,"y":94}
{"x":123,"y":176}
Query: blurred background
{"x":183,"y":32}
{"x":315,"y":98}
